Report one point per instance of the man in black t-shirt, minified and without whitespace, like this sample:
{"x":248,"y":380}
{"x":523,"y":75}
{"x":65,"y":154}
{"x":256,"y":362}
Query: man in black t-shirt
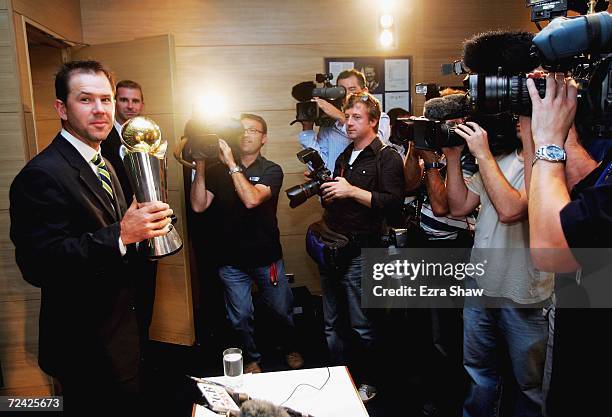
{"x":562,"y":226}
{"x":245,"y":195}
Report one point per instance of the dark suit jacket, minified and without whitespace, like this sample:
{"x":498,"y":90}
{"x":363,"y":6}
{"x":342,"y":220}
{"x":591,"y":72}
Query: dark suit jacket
{"x":110,"y":151}
{"x":146,"y":269}
{"x":66,"y":236}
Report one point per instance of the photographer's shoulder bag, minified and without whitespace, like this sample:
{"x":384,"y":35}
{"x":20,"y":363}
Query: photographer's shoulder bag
{"x":323,"y":244}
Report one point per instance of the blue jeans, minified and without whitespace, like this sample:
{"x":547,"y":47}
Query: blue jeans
{"x":344,"y":318}
{"x":525,"y":332}
{"x":239,"y":304}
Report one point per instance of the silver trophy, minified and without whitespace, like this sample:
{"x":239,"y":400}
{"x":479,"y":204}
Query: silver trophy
{"x":144,"y":157}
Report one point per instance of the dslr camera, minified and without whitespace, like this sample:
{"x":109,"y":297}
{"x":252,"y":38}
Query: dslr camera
{"x":319,"y":173}
{"x":307,"y":110}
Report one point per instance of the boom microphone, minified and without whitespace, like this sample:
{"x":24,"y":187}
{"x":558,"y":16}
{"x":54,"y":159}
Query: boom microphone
{"x":452,"y":106}
{"x":486,"y":52}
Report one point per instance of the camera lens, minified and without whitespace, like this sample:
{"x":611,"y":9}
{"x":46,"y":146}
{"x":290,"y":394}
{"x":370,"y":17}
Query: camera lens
{"x":300,"y":193}
{"x":493,"y":94}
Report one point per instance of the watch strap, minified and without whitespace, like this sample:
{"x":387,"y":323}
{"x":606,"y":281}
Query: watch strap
{"x":433,"y":165}
{"x":237,"y":168}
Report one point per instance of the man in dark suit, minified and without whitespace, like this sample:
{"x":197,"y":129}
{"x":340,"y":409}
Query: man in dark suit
{"x":129,"y":103}
{"x":74,"y":236}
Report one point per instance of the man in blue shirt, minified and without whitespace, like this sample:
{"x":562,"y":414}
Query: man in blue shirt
{"x":332,"y":140}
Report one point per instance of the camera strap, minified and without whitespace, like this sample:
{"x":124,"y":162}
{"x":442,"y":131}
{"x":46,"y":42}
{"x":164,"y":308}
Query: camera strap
{"x":605,"y":175}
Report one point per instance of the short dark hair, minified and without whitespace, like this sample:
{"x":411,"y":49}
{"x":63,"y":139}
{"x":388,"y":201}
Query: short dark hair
{"x":264,"y":125}
{"x":368,"y":100}
{"x":62,"y":77}
{"x":130,"y":84}
{"x":396,"y":112}
{"x":353,"y":73}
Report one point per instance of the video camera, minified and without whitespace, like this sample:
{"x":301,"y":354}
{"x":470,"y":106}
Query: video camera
{"x":201,"y":139}
{"x":436,"y":129}
{"x":581,"y":46}
{"x":307,"y":110}
{"x":298,"y":194}
{"x":426,"y":134}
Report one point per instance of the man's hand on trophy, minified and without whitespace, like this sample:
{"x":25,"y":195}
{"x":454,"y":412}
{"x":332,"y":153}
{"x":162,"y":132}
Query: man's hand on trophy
{"x":145,"y":221}
{"x":225,"y":154}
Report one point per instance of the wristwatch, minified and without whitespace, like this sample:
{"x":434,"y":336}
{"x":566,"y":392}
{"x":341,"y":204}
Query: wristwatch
{"x":435,"y":165}
{"x":235,"y":169}
{"x":550,"y":153}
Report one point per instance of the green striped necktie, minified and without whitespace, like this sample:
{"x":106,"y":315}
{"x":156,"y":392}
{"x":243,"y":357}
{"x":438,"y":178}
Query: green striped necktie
{"x":103,"y":174}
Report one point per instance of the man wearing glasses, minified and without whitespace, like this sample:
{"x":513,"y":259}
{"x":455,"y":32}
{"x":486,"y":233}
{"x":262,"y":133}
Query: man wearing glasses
{"x":244,"y":196}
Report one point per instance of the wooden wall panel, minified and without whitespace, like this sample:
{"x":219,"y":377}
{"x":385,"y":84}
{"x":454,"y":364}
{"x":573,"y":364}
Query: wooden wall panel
{"x":12,"y":155}
{"x":60,"y":16}
{"x":223,"y":23}
{"x":172,"y":291}
{"x":44,"y":62}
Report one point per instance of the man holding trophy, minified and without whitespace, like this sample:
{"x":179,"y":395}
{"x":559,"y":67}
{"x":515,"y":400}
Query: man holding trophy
{"x":74,"y":239}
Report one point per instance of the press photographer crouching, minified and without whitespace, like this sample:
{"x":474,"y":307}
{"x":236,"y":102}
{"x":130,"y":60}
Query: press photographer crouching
{"x":368,"y":185}
{"x":570,"y":209}
{"x":243,"y":195}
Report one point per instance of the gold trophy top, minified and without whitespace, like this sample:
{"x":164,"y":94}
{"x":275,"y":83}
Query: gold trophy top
{"x":142,"y":134}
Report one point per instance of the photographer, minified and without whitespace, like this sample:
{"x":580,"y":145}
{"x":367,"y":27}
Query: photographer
{"x":510,"y":281}
{"x":561,"y":223}
{"x":368,"y":183}
{"x":246,"y":197}
{"x":332,"y":140}
{"x":439,"y":229}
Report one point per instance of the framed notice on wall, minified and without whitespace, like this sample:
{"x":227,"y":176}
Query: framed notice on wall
{"x":387,"y":78}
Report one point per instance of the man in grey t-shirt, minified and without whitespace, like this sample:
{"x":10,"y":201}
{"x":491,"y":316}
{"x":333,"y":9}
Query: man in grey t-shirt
{"x":502,"y":232}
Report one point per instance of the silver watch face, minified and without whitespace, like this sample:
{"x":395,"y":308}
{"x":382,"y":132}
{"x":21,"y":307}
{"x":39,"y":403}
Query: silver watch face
{"x":555,"y":152}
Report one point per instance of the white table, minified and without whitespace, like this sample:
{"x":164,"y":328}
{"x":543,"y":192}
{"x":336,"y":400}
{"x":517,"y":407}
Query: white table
{"x":338,"y":397}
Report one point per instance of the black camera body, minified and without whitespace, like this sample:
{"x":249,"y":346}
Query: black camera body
{"x":307,"y":110}
{"x":319,"y":173}
{"x":426,"y":134}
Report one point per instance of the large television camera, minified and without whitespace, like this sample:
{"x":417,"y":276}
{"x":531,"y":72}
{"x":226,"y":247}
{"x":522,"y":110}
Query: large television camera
{"x":580,"y":46}
{"x":319,"y":174}
{"x":307,"y":110}
{"x":201,"y":139}
{"x":433,"y":135}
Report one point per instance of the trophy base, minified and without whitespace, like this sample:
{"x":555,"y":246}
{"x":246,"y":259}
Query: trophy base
{"x":162,"y":246}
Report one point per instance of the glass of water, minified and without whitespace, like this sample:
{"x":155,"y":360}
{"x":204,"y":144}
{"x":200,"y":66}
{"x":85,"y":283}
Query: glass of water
{"x":232,"y":367}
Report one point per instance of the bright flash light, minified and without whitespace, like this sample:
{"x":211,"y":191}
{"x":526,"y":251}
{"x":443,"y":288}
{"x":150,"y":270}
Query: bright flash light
{"x":386,"y":21}
{"x":210,"y":105}
{"x":386,"y":38}
{"x":387,"y":5}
